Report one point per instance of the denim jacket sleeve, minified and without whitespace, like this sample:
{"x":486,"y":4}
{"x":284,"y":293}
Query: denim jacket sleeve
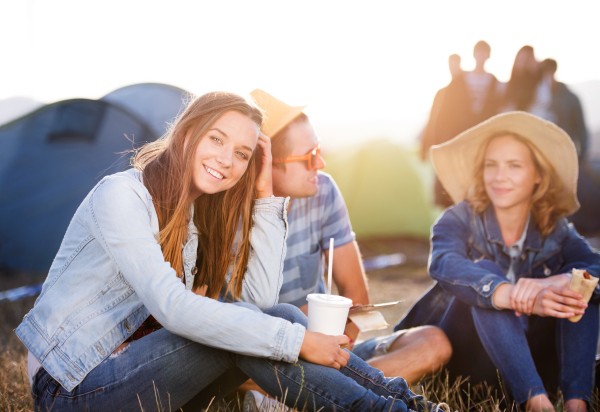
{"x":579,"y":255}
{"x":263,"y":278}
{"x":120,"y":210}
{"x":471,"y":282}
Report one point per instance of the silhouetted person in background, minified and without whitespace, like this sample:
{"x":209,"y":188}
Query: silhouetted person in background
{"x":524,"y":78}
{"x":561,"y":106}
{"x":428,"y":134}
{"x":469,"y":99}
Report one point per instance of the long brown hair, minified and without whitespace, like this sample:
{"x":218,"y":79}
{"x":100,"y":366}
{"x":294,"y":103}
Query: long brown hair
{"x":548,"y":198}
{"x":166,"y":165}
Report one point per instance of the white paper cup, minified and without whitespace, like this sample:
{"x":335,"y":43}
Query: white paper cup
{"x":327,"y":313}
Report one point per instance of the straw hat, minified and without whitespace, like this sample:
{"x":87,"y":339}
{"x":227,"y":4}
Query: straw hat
{"x":277,"y":113}
{"x":454,"y":161}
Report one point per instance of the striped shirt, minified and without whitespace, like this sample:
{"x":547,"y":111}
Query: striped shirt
{"x":311,"y":222}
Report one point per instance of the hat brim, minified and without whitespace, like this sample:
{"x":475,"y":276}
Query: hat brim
{"x":454,"y":161}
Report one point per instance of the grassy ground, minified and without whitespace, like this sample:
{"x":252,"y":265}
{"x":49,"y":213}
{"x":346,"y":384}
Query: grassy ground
{"x":406,"y":282}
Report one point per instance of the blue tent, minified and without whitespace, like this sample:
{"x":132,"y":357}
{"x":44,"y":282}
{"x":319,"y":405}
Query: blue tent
{"x":51,"y":158}
{"x":155,"y":104}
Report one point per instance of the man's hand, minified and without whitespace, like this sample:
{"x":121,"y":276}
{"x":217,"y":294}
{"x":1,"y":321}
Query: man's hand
{"x":264,"y":180}
{"x":352,"y":332}
{"x":324,"y":350}
{"x":348,"y":273}
{"x":553,"y":301}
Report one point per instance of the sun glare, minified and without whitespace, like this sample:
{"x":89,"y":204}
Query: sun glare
{"x":349,"y":61}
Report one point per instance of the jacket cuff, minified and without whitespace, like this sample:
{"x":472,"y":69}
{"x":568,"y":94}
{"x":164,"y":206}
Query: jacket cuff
{"x":273,"y":205}
{"x":289,"y":342}
{"x":486,"y":288}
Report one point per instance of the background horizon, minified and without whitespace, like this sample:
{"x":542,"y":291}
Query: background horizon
{"x":360,"y":70}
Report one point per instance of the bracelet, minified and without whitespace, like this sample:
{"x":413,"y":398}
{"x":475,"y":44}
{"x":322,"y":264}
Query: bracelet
{"x":351,"y":341}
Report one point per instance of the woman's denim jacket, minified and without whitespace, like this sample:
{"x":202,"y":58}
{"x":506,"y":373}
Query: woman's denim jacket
{"x":110,"y":274}
{"x":468,"y":253}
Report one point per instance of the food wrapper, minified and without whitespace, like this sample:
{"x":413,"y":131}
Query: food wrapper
{"x":367,"y":317}
{"x":583,"y":283}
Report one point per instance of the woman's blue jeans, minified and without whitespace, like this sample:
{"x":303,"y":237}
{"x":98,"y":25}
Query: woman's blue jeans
{"x":529,"y":352}
{"x":173,"y":372}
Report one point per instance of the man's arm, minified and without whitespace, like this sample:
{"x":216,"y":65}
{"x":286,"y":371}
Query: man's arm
{"x":349,"y":274}
{"x":349,"y":277}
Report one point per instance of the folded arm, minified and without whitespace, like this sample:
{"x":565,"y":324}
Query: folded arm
{"x":472,"y":282}
{"x":121,"y":213}
{"x":263,"y":278}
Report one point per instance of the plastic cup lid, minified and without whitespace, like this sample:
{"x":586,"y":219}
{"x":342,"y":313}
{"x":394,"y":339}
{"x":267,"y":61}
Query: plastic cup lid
{"x":329,"y":300}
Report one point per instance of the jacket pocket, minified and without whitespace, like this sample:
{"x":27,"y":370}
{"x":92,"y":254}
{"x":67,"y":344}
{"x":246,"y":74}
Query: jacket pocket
{"x":309,"y":266}
{"x":549,"y":266}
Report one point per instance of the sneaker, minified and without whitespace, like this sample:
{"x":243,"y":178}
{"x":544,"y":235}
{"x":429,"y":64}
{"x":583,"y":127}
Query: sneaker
{"x":255,"y":401}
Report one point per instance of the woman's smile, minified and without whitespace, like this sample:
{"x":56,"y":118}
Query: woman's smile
{"x":227,"y":147}
{"x":510,"y":176}
{"x":214,"y":174}
{"x":501,"y":191}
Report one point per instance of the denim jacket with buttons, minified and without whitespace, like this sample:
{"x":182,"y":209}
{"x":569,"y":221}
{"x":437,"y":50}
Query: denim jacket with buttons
{"x":465,"y":243}
{"x":109,"y":275}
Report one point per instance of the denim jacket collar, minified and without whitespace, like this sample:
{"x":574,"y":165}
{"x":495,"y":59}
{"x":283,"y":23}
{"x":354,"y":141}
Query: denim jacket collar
{"x":533,"y":240}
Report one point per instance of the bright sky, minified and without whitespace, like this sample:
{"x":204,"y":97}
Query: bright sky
{"x":349,"y":60}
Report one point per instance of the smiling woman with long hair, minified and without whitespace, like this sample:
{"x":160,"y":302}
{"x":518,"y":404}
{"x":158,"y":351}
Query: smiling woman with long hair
{"x":503,"y":256}
{"x":129,"y":312}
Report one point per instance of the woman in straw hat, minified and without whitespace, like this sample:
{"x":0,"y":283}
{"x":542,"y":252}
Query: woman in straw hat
{"x":152,"y":247}
{"x":503,"y":255}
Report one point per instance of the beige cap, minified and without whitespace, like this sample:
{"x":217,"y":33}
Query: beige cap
{"x":454,"y":161}
{"x":277,"y":113}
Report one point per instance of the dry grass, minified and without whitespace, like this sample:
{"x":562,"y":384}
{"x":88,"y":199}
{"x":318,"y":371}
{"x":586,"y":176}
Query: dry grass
{"x":406,"y":282}
{"x":14,"y":384}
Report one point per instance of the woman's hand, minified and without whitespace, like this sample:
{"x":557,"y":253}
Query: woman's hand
{"x":264,"y":180}
{"x":324,"y":350}
{"x":553,"y":301}
{"x":526,"y":290}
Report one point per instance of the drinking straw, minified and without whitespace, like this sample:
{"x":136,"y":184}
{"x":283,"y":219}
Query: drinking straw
{"x":330,"y":268}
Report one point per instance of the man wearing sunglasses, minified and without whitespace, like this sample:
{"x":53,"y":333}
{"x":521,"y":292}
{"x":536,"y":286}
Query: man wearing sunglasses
{"x":316,"y":213}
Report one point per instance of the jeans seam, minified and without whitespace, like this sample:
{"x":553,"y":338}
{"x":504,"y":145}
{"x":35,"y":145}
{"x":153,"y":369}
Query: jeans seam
{"x":405,"y":399}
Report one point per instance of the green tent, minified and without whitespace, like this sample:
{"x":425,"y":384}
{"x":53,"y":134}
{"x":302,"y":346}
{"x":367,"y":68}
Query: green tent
{"x":387,"y":189}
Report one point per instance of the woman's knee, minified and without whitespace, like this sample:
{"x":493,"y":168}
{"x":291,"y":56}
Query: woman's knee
{"x":288,"y":312}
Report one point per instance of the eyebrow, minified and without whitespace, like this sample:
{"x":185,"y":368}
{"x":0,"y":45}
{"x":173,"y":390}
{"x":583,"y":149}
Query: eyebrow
{"x":220,"y":131}
{"x":487,"y":159}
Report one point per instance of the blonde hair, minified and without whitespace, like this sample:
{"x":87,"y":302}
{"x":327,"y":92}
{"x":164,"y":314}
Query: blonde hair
{"x":548,"y":201}
{"x":166,"y":165}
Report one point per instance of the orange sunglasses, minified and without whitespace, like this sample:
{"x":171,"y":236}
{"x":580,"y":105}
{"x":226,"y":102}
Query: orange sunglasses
{"x":311,"y":157}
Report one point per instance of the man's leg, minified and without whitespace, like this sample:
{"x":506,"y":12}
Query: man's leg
{"x":412,"y":353}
